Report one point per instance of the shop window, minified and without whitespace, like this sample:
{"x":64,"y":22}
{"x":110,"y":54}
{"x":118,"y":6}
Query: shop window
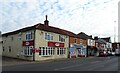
{"x":60,"y":51}
{"x":29,"y":36}
{"x":48,"y":36}
{"x":46,"y":51}
{"x":61,"y":38}
{"x":28,"y":51}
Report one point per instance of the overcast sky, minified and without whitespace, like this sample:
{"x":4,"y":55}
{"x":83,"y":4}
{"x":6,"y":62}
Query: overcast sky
{"x":94,"y":17}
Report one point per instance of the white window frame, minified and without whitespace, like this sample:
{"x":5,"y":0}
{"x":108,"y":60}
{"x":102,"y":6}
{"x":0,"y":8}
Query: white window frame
{"x":28,"y":51}
{"x":29,"y":36}
{"x":61,"y":38}
{"x":61,"y":51}
{"x":48,"y":36}
{"x":48,"y":51}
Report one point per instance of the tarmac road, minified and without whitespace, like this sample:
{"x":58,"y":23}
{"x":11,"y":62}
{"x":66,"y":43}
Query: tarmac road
{"x":80,"y":64}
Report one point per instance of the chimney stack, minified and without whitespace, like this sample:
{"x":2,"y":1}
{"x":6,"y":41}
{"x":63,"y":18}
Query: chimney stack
{"x":90,"y":36}
{"x":96,"y":37}
{"x":46,"y":22}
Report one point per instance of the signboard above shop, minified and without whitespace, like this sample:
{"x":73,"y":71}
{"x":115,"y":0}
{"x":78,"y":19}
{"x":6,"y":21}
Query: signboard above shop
{"x":28,"y":43}
{"x":55,"y":44}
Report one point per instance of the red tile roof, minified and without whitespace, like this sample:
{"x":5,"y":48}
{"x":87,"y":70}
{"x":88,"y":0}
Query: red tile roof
{"x":45,"y":28}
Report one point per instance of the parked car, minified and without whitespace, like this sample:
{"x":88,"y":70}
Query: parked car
{"x":111,"y":53}
{"x":117,"y":52}
{"x":103,"y":53}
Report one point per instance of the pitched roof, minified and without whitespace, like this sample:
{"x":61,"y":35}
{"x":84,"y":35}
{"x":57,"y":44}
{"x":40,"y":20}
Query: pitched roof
{"x":99,"y":40}
{"x":107,"y":39}
{"x":55,"y":30}
{"x":20,"y":30}
{"x":45,"y":28}
{"x":84,"y":36}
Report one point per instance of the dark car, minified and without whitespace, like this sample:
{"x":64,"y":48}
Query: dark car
{"x":103,"y":53}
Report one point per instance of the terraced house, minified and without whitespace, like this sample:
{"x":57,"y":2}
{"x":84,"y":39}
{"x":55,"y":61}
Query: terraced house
{"x":38,"y":42}
{"x":78,"y":46}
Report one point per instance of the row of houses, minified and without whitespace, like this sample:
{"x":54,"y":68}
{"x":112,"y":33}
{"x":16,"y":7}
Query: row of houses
{"x":43,"y":42}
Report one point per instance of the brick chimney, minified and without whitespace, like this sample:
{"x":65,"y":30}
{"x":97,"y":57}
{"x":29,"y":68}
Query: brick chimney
{"x":46,"y":22}
{"x":96,"y":37}
{"x":90,"y":36}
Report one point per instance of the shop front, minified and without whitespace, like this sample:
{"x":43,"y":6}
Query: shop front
{"x":77,"y":51}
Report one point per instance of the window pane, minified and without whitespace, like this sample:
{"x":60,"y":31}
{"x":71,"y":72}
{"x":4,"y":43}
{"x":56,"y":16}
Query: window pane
{"x":46,"y":36}
{"x":27,"y":51}
{"x":30,"y":51}
{"x":64,"y":50}
{"x":40,"y":50}
{"x":26,"y":36}
{"x":58,"y":51}
{"x":51,"y":37}
{"x":46,"y":51}
{"x":49,"y":51}
{"x":43,"y":51}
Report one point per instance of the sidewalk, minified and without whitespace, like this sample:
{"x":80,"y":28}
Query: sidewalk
{"x":6,"y":61}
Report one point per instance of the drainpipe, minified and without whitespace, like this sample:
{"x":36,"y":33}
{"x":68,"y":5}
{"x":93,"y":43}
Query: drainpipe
{"x":34,"y":47}
{"x":69,"y":48}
